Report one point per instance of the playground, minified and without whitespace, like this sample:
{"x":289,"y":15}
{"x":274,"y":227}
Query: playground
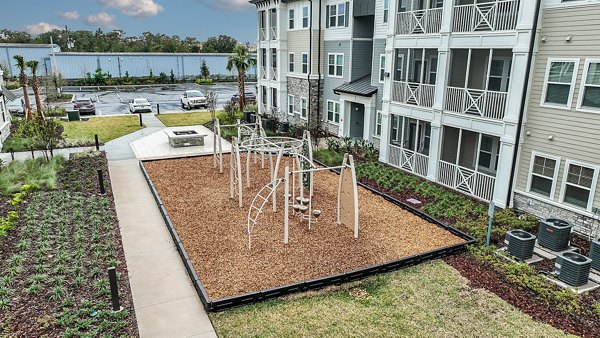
{"x":213,"y":229}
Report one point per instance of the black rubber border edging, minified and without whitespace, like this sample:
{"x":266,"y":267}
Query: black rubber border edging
{"x":257,"y":296}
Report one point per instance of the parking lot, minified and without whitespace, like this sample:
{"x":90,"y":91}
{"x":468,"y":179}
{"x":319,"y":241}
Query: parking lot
{"x":115,"y":101}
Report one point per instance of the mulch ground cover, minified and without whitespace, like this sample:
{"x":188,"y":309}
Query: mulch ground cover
{"x":481,"y":275}
{"x":53,"y":268}
{"x":213,"y":230}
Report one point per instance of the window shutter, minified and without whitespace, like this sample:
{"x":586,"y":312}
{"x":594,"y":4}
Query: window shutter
{"x":347,"y":13}
{"x":327,"y":16}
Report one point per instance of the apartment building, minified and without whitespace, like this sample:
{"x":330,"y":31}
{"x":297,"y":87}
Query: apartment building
{"x":437,"y":85}
{"x":559,"y":161}
{"x":5,"y":123}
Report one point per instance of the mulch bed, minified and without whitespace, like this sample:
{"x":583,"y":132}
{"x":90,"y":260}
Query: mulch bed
{"x":213,"y":230}
{"x":483,"y":276}
{"x":74,"y":200}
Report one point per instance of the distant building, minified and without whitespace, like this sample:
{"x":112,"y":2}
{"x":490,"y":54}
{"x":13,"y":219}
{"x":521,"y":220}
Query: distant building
{"x":5,"y":95}
{"x":559,"y":161}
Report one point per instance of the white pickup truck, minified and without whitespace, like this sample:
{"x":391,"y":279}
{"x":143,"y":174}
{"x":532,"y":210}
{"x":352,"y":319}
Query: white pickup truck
{"x":193,"y":99}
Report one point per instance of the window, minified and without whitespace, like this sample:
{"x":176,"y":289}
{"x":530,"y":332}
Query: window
{"x":274,"y":100}
{"x":333,"y":112}
{"x":304,"y":63}
{"x":290,"y":103}
{"x":291,"y":62}
{"x":589,"y":95}
{"x":305,"y":17}
{"x":381,"y":67}
{"x":399,"y":68}
{"x":337,"y":15}
{"x":386,"y":10}
{"x":291,"y":19}
{"x":274,"y":58}
{"x":579,"y":184}
{"x":378,"y":117}
{"x":263,"y":95}
{"x":336,"y":65}
{"x":542,"y":175}
{"x":304,"y":108}
{"x":432,"y":70}
{"x":499,"y":75}
{"x":395,"y":133}
{"x":489,"y":154}
{"x":559,"y":82}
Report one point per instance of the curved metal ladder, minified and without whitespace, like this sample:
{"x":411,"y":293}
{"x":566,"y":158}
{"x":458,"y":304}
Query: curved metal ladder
{"x":258,"y":204}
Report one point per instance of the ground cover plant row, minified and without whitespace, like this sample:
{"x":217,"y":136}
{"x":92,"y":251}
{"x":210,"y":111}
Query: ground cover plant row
{"x":519,"y":284}
{"x":53,"y":271}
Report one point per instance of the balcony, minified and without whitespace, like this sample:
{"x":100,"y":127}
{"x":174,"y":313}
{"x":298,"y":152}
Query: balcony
{"x":468,"y":162}
{"x":274,"y":73}
{"x":478,"y":82}
{"x":409,"y":144}
{"x":418,"y":94}
{"x":262,"y":33}
{"x":415,"y":73}
{"x":408,"y":160}
{"x":484,"y":103}
{"x":485,"y":16}
{"x":273,"y":33}
{"x":426,"y":21}
{"x":262,"y":71}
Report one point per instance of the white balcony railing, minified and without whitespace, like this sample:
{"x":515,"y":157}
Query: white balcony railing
{"x":273,"y":33}
{"x":466,"y":180}
{"x":418,"y":94}
{"x":262,"y":72}
{"x":274,"y":73}
{"x":263,"y":34}
{"x":424,"y":21}
{"x":487,"y":16}
{"x":485,"y":103}
{"x":409,"y":160}
{"x":262,"y":109}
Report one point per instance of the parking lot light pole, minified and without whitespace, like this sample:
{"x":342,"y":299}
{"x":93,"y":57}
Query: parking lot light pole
{"x":141,"y":123}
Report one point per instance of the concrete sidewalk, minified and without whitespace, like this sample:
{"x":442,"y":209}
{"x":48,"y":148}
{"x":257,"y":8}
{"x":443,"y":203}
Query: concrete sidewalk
{"x":166,"y":303}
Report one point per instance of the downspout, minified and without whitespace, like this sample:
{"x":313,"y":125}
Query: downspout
{"x":523,"y":101}
{"x":310,"y":25}
{"x":319,"y":65}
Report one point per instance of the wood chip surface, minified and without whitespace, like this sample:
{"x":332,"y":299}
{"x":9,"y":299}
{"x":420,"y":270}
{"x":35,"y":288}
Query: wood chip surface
{"x":213,"y":229}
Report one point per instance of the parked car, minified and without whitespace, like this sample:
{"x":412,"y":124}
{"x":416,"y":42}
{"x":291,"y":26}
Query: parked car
{"x":193,"y":99}
{"x":139,"y":106}
{"x":250,"y":98}
{"x":85,"y":106}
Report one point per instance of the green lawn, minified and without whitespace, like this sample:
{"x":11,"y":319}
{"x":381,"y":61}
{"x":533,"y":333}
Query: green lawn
{"x":429,"y":300}
{"x":107,"y":128}
{"x":184,"y":119}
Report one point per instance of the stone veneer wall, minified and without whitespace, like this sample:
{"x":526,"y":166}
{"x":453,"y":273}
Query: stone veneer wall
{"x":299,"y":87}
{"x":541,"y":209}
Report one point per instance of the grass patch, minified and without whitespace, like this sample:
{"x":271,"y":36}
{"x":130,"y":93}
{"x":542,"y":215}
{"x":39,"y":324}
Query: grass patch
{"x":107,"y":128}
{"x":329,"y":157}
{"x":184,"y":119}
{"x":38,"y":172}
{"x":429,"y":300}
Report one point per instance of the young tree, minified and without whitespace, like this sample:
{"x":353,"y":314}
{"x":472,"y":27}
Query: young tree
{"x":204,"y":70}
{"x":23,"y":79}
{"x":241,"y":60}
{"x":33,"y":66}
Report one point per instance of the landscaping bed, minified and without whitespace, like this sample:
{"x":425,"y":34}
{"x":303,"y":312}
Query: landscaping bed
{"x":213,"y":230}
{"x":53,"y":268}
{"x":184,"y":119}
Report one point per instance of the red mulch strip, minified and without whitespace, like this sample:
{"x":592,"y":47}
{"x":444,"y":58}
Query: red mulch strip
{"x":483,"y":276}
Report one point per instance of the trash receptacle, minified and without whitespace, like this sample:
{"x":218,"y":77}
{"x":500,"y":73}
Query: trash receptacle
{"x":73,"y":115}
{"x":284,"y":127}
{"x":249,"y":116}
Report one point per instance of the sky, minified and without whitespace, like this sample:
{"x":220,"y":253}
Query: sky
{"x":195,"y":18}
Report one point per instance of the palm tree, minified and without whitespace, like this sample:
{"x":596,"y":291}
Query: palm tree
{"x":241,"y":60}
{"x":23,"y":79}
{"x":33,"y":65}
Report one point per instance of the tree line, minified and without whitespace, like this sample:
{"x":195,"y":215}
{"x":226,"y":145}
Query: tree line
{"x":115,"y":41}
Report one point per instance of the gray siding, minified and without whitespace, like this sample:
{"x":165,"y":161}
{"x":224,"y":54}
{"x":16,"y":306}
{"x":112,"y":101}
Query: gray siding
{"x":362,"y":59}
{"x":364,"y":7}
{"x":298,"y":43}
{"x":378,"y":49}
{"x":575,"y":132}
{"x":333,"y":82}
